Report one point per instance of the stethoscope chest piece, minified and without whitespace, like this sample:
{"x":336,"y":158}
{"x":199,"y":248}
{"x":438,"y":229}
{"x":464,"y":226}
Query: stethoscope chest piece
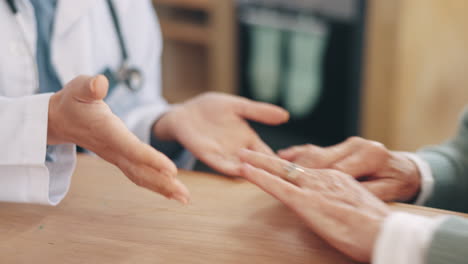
{"x":131,"y":76}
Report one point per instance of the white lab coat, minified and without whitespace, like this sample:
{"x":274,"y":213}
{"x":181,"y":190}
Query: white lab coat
{"x":84,"y":42}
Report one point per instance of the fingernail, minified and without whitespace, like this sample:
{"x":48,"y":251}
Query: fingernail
{"x":244,"y":150}
{"x":93,"y":82}
{"x":180,"y":198}
{"x":284,"y":153}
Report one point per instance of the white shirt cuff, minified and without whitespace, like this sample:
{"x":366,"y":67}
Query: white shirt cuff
{"x":427,"y":180}
{"x":60,"y":172}
{"x":404,"y":239}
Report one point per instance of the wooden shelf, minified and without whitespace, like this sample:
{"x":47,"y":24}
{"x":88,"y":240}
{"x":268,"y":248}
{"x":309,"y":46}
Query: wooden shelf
{"x":204,"y":5}
{"x":200,"y":47}
{"x":185,"y":32}
{"x":185,"y":72}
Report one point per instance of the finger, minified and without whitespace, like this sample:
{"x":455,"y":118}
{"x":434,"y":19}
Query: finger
{"x":99,"y":87}
{"x":226,"y":164}
{"x":151,"y":169}
{"x":278,"y":188}
{"x":307,"y":155}
{"x":262,"y":112}
{"x":158,"y":180}
{"x":260,"y":146}
{"x":171,"y":188}
{"x":364,"y":161}
{"x":129,"y":147}
{"x":274,"y":165}
{"x":157,"y":159}
{"x":340,"y":151}
{"x":89,"y":89}
{"x":382,"y":189}
{"x":290,"y":153}
{"x":181,"y":194}
{"x":166,"y":185}
{"x":354,"y":165}
{"x":269,"y":163}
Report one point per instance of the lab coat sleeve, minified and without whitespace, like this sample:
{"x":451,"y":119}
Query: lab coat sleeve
{"x":24,"y":175}
{"x":141,"y":110}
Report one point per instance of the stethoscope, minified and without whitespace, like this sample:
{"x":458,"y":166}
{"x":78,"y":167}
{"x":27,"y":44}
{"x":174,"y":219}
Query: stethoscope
{"x":132,"y":77}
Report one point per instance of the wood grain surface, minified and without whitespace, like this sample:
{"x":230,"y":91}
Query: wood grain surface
{"x":107,"y":219}
{"x":416,"y":82}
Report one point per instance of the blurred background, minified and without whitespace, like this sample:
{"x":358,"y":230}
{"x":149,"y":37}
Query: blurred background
{"x":393,"y":71}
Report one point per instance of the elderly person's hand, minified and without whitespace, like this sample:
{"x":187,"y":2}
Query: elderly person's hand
{"x":333,"y":204}
{"x":78,"y":114}
{"x":389,"y":175}
{"x":213,"y":127}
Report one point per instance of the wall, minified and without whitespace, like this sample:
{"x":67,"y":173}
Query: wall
{"x":416,"y":78}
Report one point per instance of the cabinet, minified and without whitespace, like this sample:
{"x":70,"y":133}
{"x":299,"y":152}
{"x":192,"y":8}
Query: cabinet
{"x":335,"y":115}
{"x":199,"y":47}
{"x":415,"y":83}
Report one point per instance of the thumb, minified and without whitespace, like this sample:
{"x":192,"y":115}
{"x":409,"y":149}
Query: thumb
{"x":88,"y":89}
{"x":294,"y":152}
{"x":355,"y":166}
{"x":262,"y":112}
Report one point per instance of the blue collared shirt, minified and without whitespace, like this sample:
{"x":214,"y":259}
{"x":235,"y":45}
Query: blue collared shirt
{"x":48,"y":79}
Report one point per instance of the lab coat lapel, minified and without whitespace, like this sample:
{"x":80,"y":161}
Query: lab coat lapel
{"x":69,"y":12}
{"x":77,"y":24}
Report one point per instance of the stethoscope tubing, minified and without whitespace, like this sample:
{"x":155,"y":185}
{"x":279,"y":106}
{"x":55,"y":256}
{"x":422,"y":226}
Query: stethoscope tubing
{"x":123,"y":70}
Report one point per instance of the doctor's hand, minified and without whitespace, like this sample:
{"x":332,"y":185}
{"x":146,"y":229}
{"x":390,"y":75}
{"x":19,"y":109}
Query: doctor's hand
{"x":213,"y":127}
{"x":333,"y":204}
{"x":78,"y":114}
{"x":389,"y":175}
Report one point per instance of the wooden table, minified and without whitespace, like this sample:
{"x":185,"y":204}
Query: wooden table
{"x":107,"y":219}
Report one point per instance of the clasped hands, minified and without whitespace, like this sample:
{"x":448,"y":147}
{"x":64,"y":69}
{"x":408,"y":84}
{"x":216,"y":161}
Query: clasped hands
{"x":334,"y":193}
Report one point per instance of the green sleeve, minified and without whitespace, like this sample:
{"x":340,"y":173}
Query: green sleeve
{"x":450,"y":242}
{"x":449,"y":165}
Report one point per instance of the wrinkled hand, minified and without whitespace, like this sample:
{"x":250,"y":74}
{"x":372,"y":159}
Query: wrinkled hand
{"x":78,"y":114}
{"x":391,"y":176}
{"x":213,"y":127}
{"x":333,"y":204}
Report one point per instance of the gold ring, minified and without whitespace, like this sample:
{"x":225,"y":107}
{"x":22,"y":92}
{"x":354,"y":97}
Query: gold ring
{"x":293,"y":171}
